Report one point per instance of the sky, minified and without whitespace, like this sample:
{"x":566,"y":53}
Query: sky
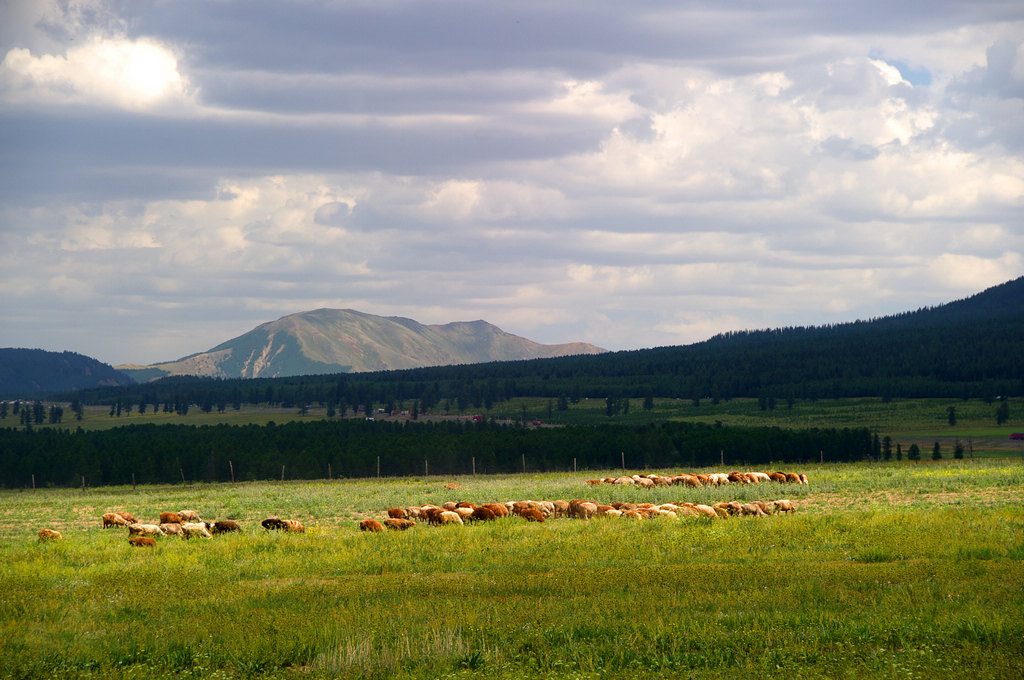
{"x":629,"y":174}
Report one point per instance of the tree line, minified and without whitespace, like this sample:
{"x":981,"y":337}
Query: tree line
{"x":358,"y":448}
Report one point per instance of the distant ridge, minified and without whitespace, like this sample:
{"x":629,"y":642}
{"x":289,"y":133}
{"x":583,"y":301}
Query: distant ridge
{"x":28,"y":371}
{"x":344,"y":341}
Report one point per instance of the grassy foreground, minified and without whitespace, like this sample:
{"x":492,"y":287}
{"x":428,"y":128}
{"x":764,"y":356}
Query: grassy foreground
{"x":893,"y":571}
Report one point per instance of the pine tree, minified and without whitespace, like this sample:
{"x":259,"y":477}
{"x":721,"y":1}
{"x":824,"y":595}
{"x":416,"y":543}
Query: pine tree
{"x":936,"y":452}
{"x":914,"y":453}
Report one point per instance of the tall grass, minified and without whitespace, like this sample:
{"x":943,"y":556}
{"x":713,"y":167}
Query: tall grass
{"x":869,"y":578}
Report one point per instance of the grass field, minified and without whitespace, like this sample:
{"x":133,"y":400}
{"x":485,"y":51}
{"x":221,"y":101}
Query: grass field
{"x":887,"y":570}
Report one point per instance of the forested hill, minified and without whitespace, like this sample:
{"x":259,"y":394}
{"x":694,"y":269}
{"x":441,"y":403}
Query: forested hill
{"x":27,"y":371}
{"x":969,"y":348}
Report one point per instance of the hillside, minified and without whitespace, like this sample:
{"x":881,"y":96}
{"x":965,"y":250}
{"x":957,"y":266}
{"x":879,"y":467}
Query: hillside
{"x":344,"y":341}
{"x":31,"y":371}
{"x":971,"y":348}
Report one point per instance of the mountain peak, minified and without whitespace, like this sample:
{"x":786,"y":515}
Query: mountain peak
{"x":346,"y":340}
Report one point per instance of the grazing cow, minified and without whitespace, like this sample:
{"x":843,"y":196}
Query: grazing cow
{"x":482,"y":515}
{"x":602,"y":510}
{"x":561,"y":508}
{"x":498,"y":509}
{"x":594,"y":482}
{"x":645,"y":483}
{"x":761,"y":476}
{"x":142,"y":542}
{"x":173,"y":530}
{"x":189,"y":516}
{"x":451,"y":517}
{"x":452,"y":485}
{"x":49,"y":535}
{"x":371,"y":525}
{"x":582,"y":509}
{"x":803,"y":479}
{"x":448,"y":505}
{"x":779,"y":477}
{"x":145,"y":530}
{"x":624,"y":480}
{"x":170,"y":518}
{"x":465,"y":504}
{"x":224,"y":526}
{"x":532,"y":515}
{"x":792,"y":478}
{"x":293,"y":526}
{"x":433,"y":515}
{"x":465,"y":513}
{"x":398,"y":523}
{"x":272,"y":523}
{"x":705,"y":510}
{"x":783,"y":505}
{"x":396,"y":513}
{"x":129,"y":517}
{"x":113,"y":519}
{"x":752,"y":509}
{"x":413,"y":512}
{"x":193,"y":529}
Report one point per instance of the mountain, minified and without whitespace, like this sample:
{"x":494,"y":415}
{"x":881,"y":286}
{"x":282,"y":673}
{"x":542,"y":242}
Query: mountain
{"x":29,"y":371}
{"x":346,"y":341}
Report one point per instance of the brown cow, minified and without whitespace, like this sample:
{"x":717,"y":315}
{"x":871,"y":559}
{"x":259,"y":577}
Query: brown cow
{"x":170,"y":518}
{"x":532,"y":515}
{"x":128,"y":516}
{"x":498,"y":509}
{"x":173,"y":530}
{"x":224,"y":526}
{"x":113,"y":519}
{"x":189,"y":516}
{"x":293,"y":525}
{"x":272,"y":523}
{"x":371,"y":525}
{"x":398,"y":523}
{"x":483,"y":514}
{"x":49,"y":535}
{"x":142,"y":542}
{"x":396,"y":513}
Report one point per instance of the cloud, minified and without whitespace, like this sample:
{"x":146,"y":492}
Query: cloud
{"x":130,"y":74}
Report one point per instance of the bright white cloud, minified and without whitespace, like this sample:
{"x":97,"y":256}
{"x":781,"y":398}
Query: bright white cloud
{"x":131,"y":74}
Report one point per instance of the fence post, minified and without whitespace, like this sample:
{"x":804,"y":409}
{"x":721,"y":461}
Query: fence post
{"x":574,"y":465}
{"x":623,"y":461}
{"x":282,"y":473}
{"x":721,"y":457}
{"x":426,"y":469}
{"x":378,"y":466}
{"x":182,"y":471}
{"x":474,"y":465}
{"x":232,"y":466}
{"x":33,"y":481}
{"x":133,"y":481}
{"x":329,"y":472}
{"x":83,"y":482}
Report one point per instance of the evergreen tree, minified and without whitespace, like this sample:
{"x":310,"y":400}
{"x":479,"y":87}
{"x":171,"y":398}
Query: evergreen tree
{"x":936,"y":452}
{"x":899,"y":451}
{"x":914,"y":453}
{"x":958,"y":450}
{"x":887,"y":447}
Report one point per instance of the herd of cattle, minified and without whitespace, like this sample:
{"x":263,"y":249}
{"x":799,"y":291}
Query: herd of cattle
{"x":695,"y":480}
{"x":184,"y":524}
{"x":539,"y":511}
{"x":188,"y":524}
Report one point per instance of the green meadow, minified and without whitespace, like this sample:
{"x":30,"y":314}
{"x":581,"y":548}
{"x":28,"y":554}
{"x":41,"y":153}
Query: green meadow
{"x":894,"y":570}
